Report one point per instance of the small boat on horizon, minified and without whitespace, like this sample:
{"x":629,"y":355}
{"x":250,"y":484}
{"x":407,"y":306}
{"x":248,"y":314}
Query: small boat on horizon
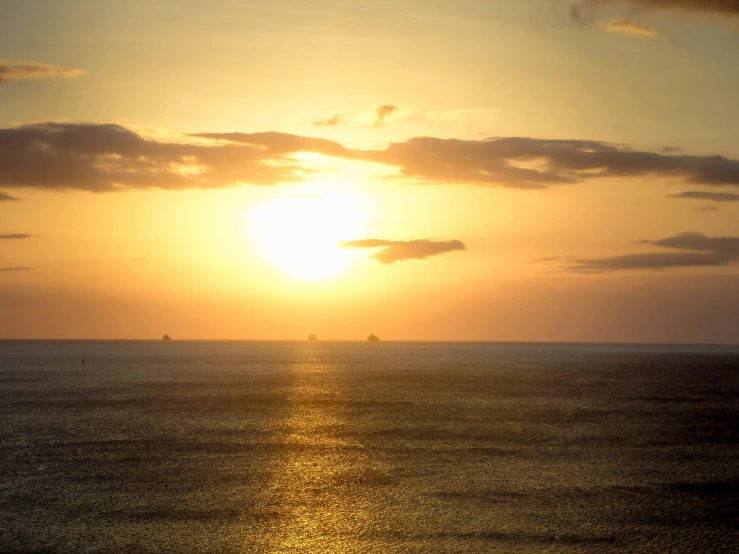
{"x":373,"y":338}
{"x":166,"y":337}
{"x":312,"y":337}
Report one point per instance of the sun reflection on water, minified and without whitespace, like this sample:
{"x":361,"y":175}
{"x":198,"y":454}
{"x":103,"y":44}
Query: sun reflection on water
{"x":317,"y":480}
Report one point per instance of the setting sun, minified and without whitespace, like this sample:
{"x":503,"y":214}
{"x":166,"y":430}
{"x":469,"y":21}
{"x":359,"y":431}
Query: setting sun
{"x":300,"y":234}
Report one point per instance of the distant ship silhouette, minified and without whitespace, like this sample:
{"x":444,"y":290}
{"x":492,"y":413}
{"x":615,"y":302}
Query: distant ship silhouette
{"x":373,"y":338}
{"x":312,"y":337}
{"x":166,"y":337}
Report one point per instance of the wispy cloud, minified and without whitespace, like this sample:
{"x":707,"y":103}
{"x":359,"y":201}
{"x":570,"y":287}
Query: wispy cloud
{"x":391,"y":251}
{"x":377,"y":116}
{"x":23,"y":71}
{"x":4,"y":197}
{"x":656,"y":260}
{"x":15,"y":269}
{"x":632,"y":27}
{"x":693,"y":250}
{"x":582,"y":9}
{"x":331,"y":121}
{"x":15,"y":236}
{"x":705,"y":195}
{"x":383,"y":113}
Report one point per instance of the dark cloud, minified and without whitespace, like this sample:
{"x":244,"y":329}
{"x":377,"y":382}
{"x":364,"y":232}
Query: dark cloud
{"x":397,"y":250}
{"x":699,"y":242}
{"x":531,"y":163}
{"x":383,"y":113}
{"x":709,"y":208}
{"x":632,"y":27}
{"x":22,"y":71}
{"x":713,"y":196}
{"x":582,"y":9}
{"x":15,"y":269}
{"x":657,"y":260}
{"x":695,"y":250}
{"x":105,"y":157}
{"x":7,"y":198}
{"x":332,"y":121}
{"x":15,"y":236}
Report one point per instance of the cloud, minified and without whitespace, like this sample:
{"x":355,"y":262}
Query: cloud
{"x":15,"y":236}
{"x":699,"y":242}
{"x":383,"y":113}
{"x":657,"y":260}
{"x":4,"y":197}
{"x":632,"y":27}
{"x":378,"y":116}
{"x":15,"y":269}
{"x":530,"y":163}
{"x":582,"y":9}
{"x":392,"y":251}
{"x":694,"y":250}
{"x":272,"y":144}
{"x":107,"y":157}
{"x":713,"y":196}
{"x":23,"y":71}
{"x":709,"y":208}
{"x":331,"y":121}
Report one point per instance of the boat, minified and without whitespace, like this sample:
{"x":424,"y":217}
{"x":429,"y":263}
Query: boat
{"x":373,"y":338}
{"x":312,"y":337}
{"x":166,"y":337}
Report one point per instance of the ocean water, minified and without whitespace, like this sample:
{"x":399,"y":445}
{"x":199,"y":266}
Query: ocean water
{"x":354,"y":447}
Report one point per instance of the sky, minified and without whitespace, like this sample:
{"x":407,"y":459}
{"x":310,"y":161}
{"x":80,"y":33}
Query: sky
{"x":528,"y":170}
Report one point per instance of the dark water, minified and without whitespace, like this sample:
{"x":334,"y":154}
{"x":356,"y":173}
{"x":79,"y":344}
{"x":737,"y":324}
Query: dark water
{"x":355,"y":447}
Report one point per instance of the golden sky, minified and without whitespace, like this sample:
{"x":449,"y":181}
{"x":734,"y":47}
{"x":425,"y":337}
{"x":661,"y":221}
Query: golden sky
{"x":425,"y":170}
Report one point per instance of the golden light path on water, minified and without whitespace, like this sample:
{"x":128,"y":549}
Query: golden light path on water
{"x":320,"y":490}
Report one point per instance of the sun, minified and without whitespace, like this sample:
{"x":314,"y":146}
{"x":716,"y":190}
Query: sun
{"x":300,"y":233}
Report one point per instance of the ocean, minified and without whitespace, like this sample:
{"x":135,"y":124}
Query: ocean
{"x":341,"y":447}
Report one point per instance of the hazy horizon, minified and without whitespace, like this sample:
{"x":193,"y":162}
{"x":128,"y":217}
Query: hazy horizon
{"x":385,"y":340}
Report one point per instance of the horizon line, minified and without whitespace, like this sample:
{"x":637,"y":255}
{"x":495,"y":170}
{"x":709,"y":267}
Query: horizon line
{"x":462,"y":341}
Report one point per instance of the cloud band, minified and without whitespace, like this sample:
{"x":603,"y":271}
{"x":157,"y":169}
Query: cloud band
{"x":391,"y":251}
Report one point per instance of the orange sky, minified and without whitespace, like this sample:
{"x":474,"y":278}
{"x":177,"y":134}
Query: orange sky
{"x":425,"y":171}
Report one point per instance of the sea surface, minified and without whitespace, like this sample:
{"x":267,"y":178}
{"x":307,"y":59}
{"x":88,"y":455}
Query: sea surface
{"x":338,"y":447}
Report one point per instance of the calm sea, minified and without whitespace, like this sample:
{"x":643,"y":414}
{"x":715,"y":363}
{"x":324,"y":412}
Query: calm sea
{"x":355,"y":447}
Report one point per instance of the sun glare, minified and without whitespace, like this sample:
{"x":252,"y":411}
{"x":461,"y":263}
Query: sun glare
{"x":300,"y":233}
